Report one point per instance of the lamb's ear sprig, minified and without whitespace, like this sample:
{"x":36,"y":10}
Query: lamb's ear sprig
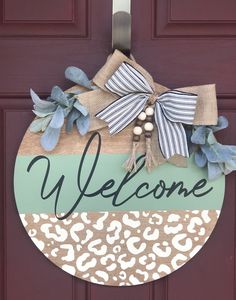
{"x":78,"y":76}
{"x":58,"y":107}
{"x":219,"y":159}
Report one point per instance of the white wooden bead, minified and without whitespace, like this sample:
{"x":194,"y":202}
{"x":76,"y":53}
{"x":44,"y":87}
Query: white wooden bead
{"x":142,"y":116}
{"x":148,"y":126}
{"x":149,"y":111}
{"x":137,"y":130}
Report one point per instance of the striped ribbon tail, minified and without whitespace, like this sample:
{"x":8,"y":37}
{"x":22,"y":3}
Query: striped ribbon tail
{"x":172,"y":110}
{"x":127,"y":80}
{"x":123,"y":111}
{"x":133,"y":89}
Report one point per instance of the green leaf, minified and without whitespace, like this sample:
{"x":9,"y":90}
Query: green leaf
{"x":59,"y":96}
{"x":50,"y":138}
{"x":214,"y":170}
{"x":58,"y":118}
{"x":83,"y":124}
{"x":199,"y":135}
{"x":80,"y":108}
{"x":200,"y":159}
{"x":42,"y":104}
{"x":93,"y":86}
{"x":67,"y":110}
{"x":211,"y":138}
{"x":72,"y":117}
{"x":43,"y":110}
{"x":231,"y":149}
{"x":230,"y":166}
{"x":222,"y":124}
{"x":77,"y":76}
{"x":40,"y":124}
{"x":217,"y":153}
{"x":41,"y":114}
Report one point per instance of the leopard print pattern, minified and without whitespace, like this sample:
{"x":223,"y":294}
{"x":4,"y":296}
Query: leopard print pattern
{"x":121,"y":248}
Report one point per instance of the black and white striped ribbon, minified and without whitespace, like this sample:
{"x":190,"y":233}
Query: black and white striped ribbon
{"x":172,"y":109}
{"x":134,"y":91}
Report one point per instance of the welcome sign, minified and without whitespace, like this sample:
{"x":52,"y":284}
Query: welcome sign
{"x":100,"y":223}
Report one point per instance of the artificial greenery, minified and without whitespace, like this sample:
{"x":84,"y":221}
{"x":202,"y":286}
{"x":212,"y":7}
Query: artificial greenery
{"x":219,"y":159}
{"x":52,"y":112}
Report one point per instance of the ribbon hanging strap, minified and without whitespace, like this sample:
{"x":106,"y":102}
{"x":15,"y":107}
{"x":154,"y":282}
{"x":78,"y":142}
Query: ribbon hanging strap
{"x":172,"y":109}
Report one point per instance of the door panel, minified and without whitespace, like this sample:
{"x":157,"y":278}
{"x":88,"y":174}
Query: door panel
{"x":181,"y":45}
{"x":203,"y":18}
{"x":45,"y":18}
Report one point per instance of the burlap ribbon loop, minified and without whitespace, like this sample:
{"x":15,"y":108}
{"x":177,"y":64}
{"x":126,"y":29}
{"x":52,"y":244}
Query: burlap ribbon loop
{"x":98,"y":100}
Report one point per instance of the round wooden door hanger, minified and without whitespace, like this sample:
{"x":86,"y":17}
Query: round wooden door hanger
{"x":107,"y":226}
{"x":110,"y":222}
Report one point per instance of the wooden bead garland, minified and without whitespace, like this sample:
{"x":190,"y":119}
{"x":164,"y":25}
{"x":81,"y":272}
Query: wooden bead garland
{"x":148,"y":134}
{"x":130,"y":164}
{"x":142,"y":116}
{"x":148,"y":128}
{"x":137,"y":130}
{"x":144,"y":121}
{"x":149,"y":119}
{"x":149,"y":111}
{"x":139,"y":123}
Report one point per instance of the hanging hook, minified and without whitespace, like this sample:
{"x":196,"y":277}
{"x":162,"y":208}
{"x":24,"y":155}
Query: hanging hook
{"x":121,"y":26}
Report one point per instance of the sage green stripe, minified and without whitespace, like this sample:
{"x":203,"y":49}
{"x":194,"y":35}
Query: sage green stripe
{"x":27,"y":185}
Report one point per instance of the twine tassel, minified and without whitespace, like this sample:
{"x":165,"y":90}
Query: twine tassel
{"x":150,"y":161}
{"x":130,"y":164}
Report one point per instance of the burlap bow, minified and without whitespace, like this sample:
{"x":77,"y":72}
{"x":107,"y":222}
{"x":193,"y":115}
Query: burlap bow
{"x":172,"y":108}
{"x":98,"y":100}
